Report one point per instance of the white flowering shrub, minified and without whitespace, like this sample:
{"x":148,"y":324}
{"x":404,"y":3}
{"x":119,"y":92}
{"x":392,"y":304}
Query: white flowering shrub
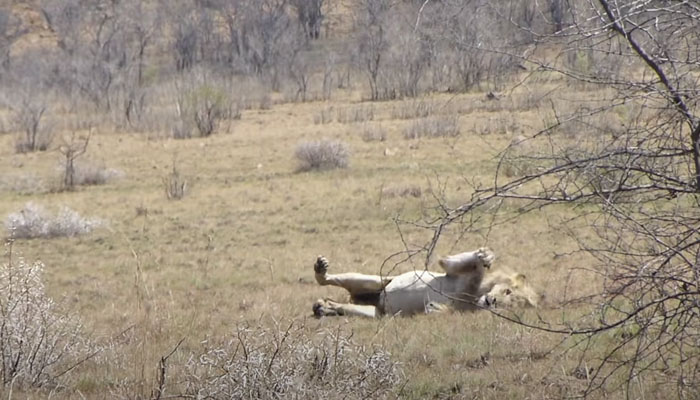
{"x":268,"y":363}
{"x":39,"y":345}
{"x":33,"y":221}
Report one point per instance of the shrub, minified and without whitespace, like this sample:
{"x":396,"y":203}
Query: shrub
{"x":324,"y":154}
{"x":273,"y":363}
{"x":175,"y":184}
{"x":202,"y":106}
{"x":39,"y":345}
{"x":90,"y":173}
{"x":373,"y":134}
{"x":34,"y":222}
{"x":432,"y":128}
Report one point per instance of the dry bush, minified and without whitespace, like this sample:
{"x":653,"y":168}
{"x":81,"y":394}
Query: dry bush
{"x":29,"y":119}
{"x":287,"y":363}
{"x":33,"y":221}
{"x":203,"y":105}
{"x":39,"y":343}
{"x":91,"y":173}
{"x":373,"y":133}
{"x":175,"y":184}
{"x":323,"y":154}
{"x":201,"y":111}
{"x":432,"y":128}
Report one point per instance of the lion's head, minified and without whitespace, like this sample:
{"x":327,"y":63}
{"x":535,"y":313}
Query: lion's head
{"x":502,"y":290}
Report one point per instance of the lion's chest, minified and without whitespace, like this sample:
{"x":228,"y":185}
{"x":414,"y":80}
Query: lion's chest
{"x":410,"y":292}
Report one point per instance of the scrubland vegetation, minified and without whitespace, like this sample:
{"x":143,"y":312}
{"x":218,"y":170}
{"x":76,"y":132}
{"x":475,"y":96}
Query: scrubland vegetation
{"x":169,"y":171}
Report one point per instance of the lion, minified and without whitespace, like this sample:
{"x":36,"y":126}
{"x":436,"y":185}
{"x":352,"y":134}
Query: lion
{"x":463,"y":286}
{"x":501,"y":289}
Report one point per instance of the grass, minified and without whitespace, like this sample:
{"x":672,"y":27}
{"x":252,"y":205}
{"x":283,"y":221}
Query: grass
{"x":432,"y":128}
{"x":239,"y":250}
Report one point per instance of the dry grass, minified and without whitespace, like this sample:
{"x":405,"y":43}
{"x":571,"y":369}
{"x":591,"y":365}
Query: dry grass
{"x":23,"y":183}
{"x":412,"y":109}
{"x":239,"y":250}
{"x":373,"y":133}
{"x":434,"y":127}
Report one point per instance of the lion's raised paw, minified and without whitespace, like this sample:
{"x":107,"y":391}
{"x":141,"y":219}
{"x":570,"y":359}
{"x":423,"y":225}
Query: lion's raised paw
{"x":321,"y":265}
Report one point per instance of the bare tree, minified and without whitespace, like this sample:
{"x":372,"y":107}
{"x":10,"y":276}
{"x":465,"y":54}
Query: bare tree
{"x":310,"y":16}
{"x":557,"y":13}
{"x":185,"y":43}
{"x":372,"y":41}
{"x":71,"y":150}
{"x":299,"y":71}
{"x":29,"y":119}
{"x":141,"y":26}
{"x":263,"y":38}
{"x":33,"y":138}
{"x":103,"y":47}
{"x":461,"y":48}
{"x":327,"y":86}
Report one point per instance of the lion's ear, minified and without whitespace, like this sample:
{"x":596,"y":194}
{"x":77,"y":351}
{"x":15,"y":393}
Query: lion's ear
{"x":519,"y":279}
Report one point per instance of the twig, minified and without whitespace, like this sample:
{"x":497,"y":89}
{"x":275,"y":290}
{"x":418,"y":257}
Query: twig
{"x":162,"y":369}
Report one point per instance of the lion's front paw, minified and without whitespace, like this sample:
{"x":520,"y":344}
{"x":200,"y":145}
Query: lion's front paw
{"x":487,"y":256}
{"x":321,"y":265}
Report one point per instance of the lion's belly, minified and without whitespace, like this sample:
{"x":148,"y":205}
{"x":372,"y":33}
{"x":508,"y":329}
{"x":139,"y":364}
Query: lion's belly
{"x":409,"y":293}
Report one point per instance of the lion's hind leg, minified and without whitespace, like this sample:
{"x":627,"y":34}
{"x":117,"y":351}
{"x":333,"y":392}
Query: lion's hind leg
{"x":355,"y":283}
{"x":329,"y":308}
{"x":467,"y":262}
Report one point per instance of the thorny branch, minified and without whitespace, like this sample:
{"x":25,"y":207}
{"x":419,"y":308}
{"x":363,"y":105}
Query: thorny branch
{"x":634,"y":187}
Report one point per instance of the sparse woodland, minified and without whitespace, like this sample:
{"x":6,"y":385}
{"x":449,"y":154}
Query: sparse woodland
{"x":169,"y":170}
